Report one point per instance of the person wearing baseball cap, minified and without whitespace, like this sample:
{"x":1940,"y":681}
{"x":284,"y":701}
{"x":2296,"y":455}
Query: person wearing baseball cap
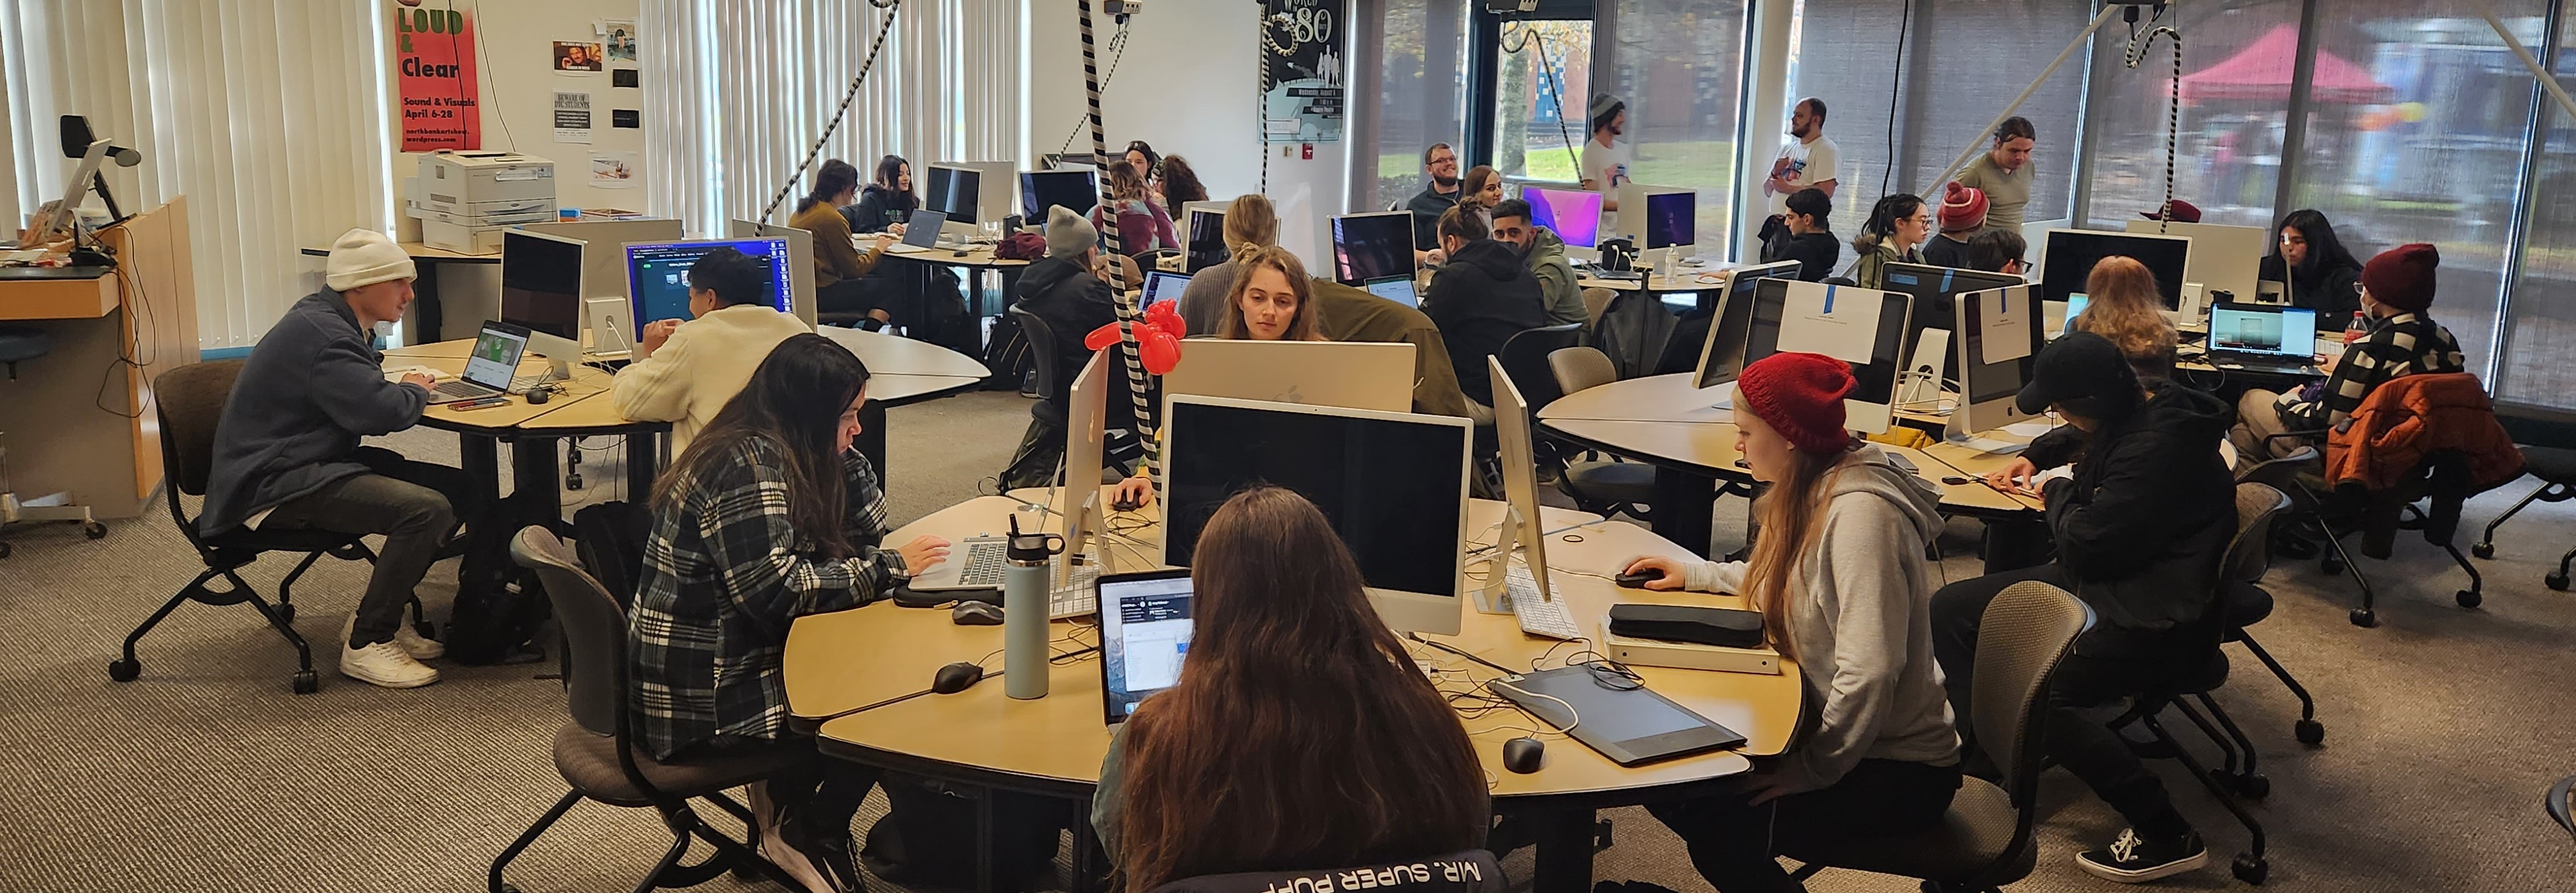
{"x":1840,"y":578}
{"x":2141,"y":524}
{"x":287,"y":453}
{"x":2402,"y":339}
{"x":1962,"y":216}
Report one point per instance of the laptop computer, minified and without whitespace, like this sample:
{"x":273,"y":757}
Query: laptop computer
{"x":1145,"y":629}
{"x":489,"y":369}
{"x":2262,"y":338}
{"x":921,"y":233}
{"x":1394,"y":288}
{"x":1161,"y":286}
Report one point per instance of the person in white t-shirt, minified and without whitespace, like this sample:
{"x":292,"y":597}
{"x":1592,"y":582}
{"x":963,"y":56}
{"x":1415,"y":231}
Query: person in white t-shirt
{"x":1605,"y":159}
{"x":1808,"y":161}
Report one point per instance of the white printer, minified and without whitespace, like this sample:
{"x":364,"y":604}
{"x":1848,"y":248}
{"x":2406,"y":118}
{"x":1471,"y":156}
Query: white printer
{"x":464,"y":199}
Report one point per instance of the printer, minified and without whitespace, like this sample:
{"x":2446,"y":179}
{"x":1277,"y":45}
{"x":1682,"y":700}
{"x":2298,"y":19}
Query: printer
{"x":465,"y":199}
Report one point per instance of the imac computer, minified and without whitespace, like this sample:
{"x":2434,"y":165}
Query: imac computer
{"x":2069,"y":255}
{"x":657,"y":275}
{"x":1394,"y":486}
{"x":66,"y":214}
{"x":1721,"y":356}
{"x":1933,"y":289}
{"x":1350,"y":375}
{"x":1521,"y":530}
{"x":1665,"y":222}
{"x":1375,"y":252}
{"x":1855,"y":325}
{"x":800,"y":260}
{"x":2223,"y":258}
{"x":1076,"y":190}
{"x":970,"y":193}
{"x":1206,"y":235}
{"x":1574,"y":215}
{"x":541,"y":291}
{"x":1999,"y":336}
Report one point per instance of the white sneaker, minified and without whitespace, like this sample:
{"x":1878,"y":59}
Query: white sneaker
{"x":384,"y":664}
{"x":412,"y":643}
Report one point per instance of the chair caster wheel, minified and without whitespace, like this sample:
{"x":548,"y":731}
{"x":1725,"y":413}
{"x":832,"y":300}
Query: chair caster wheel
{"x":2364,"y":618}
{"x":286,"y":613}
{"x":2483,"y":550}
{"x":2254,"y":785}
{"x":2555,"y":581}
{"x":5,"y":549}
{"x":2252,"y":869}
{"x":124,"y":669}
{"x":2468,"y":598}
{"x":94,"y":530}
{"x":2309,"y":732}
{"x":306,"y":683}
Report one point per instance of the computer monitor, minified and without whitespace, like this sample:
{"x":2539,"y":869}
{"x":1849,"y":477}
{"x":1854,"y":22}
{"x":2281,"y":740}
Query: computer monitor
{"x":1999,"y":336}
{"x":1086,"y":406}
{"x":1206,"y":235}
{"x":1671,"y":219}
{"x":1372,"y":247}
{"x":956,"y":192}
{"x":1721,"y":356}
{"x":1933,"y":289}
{"x":1145,"y":628}
{"x":1574,"y":215}
{"x":1858,"y":326}
{"x":1161,"y":286}
{"x":541,"y":291}
{"x":657,"y":275}
{"x":1075,"y":190}
{"x":800,"y":259}
{"x":1352,"y":375}
{"x":2069,"y":255}
{"x":1520,"y":480}
{"x":66,"y":213}
{"x":2223,"y":258}
{"x":1394,"y":486}
{"x":604,"y":269}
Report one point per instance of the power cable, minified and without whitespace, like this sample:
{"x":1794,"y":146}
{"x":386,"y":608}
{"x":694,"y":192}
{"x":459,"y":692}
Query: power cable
{"x":1895,"y":83}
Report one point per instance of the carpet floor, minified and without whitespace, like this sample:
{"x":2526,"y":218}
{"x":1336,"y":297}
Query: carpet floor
{"x":2444,"y":725}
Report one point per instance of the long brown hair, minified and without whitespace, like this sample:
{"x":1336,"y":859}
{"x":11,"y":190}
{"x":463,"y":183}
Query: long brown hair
{"x":794,"y":404}
{"x":1792,"y":515}
{"x":1181,"y":184}
{"x":1251,"y":224}
{"x":1474,"y":183}
{"x":1300,"y":734}
{"x":1305,"y":327}
{"x":1124,"y":184}
{"x":2121,"y":305}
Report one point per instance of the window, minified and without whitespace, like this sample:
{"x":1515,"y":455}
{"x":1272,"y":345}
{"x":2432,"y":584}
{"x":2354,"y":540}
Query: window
{"x":2538,"y":355}
{"x":1415,"y":108}
{"x":1956,"y":84}
{"x":1544,"y":88}
{"x":1846,"y":56}
{"x":1679,"y":65}
{"x":2237,"y":62}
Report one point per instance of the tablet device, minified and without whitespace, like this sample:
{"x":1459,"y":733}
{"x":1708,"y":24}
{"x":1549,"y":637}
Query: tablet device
{"x":1618,"y":717}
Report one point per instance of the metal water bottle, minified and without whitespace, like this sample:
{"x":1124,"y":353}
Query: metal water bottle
{"x":1027,"y":591}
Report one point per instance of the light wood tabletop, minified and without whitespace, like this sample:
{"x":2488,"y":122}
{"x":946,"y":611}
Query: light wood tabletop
{"x":1653,"y":398}
{"x":419,"y":251}
{"x":835,"y":662}
{"x":974,"y":256}
{"x":1701,"y":278}
{"x":581,"y":404}
{"x":887,"y":354}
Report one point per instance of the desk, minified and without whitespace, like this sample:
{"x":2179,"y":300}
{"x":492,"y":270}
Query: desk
{"x":976,"y":261}
{"x":901,"y":371}
{"x":1684,"y":279}
{"x":426,"y":319}
{"x":1053,"y":746}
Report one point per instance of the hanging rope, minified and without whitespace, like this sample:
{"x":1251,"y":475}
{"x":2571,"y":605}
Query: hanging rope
{"x":1555,"y":91}
{"x":1117,"y":53}
{"x":1143,"y":420}
{"x":2139,"y":45}
{"x":784,"y":189}
{"x":1262,"y":22}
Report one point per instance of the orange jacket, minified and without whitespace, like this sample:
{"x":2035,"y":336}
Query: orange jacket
{"x":2408,"y":418}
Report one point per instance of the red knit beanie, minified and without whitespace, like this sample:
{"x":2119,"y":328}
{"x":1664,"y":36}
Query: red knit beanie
{"x":1962,"y":207}
{"x":2402,"y":277}
{"x":1799,"y":395}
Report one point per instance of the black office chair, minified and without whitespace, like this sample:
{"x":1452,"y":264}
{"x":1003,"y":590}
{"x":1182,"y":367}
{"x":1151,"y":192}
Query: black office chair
{"x":2548,"y":442}
{"x":1042,"y":362}
{"x":596,"y":753}
{"x":1525,"y":359}
{"x":2439,"y":483}
{"x":1470,"y":871}
{"x":2249,"y":603}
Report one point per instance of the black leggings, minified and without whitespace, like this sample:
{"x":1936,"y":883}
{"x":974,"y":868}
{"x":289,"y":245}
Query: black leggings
{"x":1733,"y":843}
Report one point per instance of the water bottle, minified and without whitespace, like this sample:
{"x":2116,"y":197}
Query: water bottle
{"x":1028,"y":588}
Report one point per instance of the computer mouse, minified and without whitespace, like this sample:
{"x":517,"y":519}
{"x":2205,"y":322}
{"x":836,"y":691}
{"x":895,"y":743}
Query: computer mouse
{"x":976,"y":614}
{"x":1126,"y":505}
{"x":1639,"y":579}
{"x":539,"y":396}
{"x":959,"y":253}
{"x":1523,"y":755}
{"x":956,"y":677}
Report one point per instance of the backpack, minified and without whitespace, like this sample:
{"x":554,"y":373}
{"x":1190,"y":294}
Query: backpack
{"x":1633,"y":331}
{"x":1021,"y":245}
{"x":927,"y":837}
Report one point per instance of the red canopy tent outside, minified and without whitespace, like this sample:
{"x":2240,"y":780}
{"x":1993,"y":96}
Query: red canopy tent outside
{"x":2261,"y":71}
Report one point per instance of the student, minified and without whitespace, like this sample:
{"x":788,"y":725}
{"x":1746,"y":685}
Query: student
{"x":1480,"y":298}
{"x":1181,"y":186}
{"x":1140,"y":158}
{"x":1544,"y":255}
{"x":768,"y":516}
{"x":1437,"y":196}
{"x":2004,"y":174}
{"x":1142,"y":225}
{"x":1605,"y":161}
{"x":1481,"y":188}
{"x":840,"y":271}
{"x":1963,"y":214}
{"x":1273,"y":300}
{"x":887,"y":203}
{"x":690,"y":371}
{"x":1840,"y":579}
{"x":1360,"y":761}
{"x":2123,"y":306}
{"x":1250,"y":224}
{"x":1805,"y":236}
{"x":2140,"y":527}
{"x":1808,"y":161}
{"x":2318,"y":269}
{"x":287,"y":453}
{"x":1069,"y":290}
{"x":1998,"y":251}
{"x":2401,"y":339}
{"x":1896,"y":225}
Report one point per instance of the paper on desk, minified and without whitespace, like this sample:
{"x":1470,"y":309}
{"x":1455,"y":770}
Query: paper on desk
{"x":1991,"y":446}
{"x":1838,"y":322}
{"x":2032,"y":428}
{"x":2005,"y":313}
{"x":2039,"y":482}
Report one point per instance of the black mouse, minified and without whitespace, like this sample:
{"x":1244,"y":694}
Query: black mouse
{"x":1523,"y":755}
{"x":1639,"y":579}
{"x":976,"y":614}
{"x":956,"y":677}
{"x":539,"y":397}
{"x":1126,"y":505}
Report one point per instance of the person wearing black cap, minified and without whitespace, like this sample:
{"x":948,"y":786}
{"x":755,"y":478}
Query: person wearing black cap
{"x":2396,"y":290}
{"x":2140,"y":525}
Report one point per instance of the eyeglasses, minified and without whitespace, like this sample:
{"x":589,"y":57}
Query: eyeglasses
{"x":2359,"y":290}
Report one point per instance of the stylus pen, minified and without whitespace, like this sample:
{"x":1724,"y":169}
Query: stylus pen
{"x":1445,"y":647}
{"x":889,"y":702}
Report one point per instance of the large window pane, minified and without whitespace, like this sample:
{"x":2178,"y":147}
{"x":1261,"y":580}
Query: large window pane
{"x":1539,"y":98}
{"x":1846,"y":56}
{"x":2237,"y":62}
{"x":1679,"y":66}
{"x":1969,"y":60}
{"x":2538,"y":357}
{"x":1419,"y":102}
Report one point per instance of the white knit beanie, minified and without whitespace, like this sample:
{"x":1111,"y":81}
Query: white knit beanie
{"x":365,"y":257}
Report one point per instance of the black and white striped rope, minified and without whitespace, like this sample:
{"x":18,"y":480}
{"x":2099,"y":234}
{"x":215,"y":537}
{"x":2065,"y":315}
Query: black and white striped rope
{"x":2139,"y":45}
{"x":1128,"y":318}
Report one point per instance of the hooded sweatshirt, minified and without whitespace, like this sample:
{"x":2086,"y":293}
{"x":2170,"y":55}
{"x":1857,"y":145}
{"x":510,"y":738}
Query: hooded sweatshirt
{"x":1817,"y":252}
{"x":1861,"y":625}
{"x":1480,"y":299}
{"x":1062,"y":291}
{"x":2144,"y":522}
{"x":310,"y":390}
{"x":1556,"y":280}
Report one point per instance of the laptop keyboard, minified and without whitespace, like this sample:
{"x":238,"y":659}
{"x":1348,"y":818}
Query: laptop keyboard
{"x":985,"y":559}
{"x":461,"y":389}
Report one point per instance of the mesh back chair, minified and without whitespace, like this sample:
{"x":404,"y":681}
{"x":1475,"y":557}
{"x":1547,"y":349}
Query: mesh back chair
{"x":596,"y":755}
{"x":1042,"y":361}
{"x":2248,"y":603}
{"x":1525,"y":359}
{"x":1470,"y":871}
{"x":1984,"y":842}
{"x":2427,"y":499}
{"x":2548,"y":441}
{"x":1601,"y":487}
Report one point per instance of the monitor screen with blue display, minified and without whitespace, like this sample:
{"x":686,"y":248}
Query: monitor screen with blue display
{"x":657,"y":275}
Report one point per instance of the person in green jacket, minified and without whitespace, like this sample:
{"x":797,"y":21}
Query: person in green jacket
{"x":1897,"y":226}
{"x":1544,"y":254}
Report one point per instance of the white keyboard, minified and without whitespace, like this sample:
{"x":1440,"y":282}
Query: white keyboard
{"x":1538,"y":617}
{"x":1079,"y":595}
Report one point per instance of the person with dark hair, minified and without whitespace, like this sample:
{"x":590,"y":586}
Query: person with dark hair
{"x":2320,"y":272}
{"x":2141,"y":525}
{"x":2401,"y":339}
{"x":1963,"y":214}
{"x":1069,"y":289}
{"x":1140,"y":157}
{"x":887,"y":202}
{"x":1840,"y":579}
{"x":1360,"y":761}
{"x":1998,"y":251}
{"x":1896,"y":225}
{"x":768,"y":516}
{"x":1481,"y":188}
{"x":1807,"y":161}
{"x":1480,"y":298}
{"x":1805,"y":234}
{"x":1181,"y":186}
{"x":2004,"y":174}
{"x":1605,"y":159}
{"x":1437,"y":196}
{"x":1544,"y":254}
{"x":687,"y":370}
{"x":840,"y":271}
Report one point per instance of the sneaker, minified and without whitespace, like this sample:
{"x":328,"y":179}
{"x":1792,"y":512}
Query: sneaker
{"x":412,"y":642}
{"x":2133,"y":859}
{"x":384,"y":664}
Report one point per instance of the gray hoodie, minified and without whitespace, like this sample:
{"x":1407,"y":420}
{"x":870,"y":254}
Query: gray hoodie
{"x":1546,"y":259}
{"x":1862,"y":626}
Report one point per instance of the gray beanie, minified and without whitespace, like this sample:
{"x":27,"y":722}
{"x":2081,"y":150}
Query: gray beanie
{"x":1602,"y":105}
{"x":1068,"y":233}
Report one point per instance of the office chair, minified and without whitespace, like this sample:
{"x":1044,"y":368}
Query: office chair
{"x":1984,"y":841}
{"x":2249,"y":604}
{"x":2556,"y":804}
{"x":1595,"y":300}
{"x":1469,"y":871}
{"x":1525,"y":358}
{"x":596,"y":753}
{"x":2548,"y":442}
{"x":2440,"y":481}
{"x":1597,"y":486}
{"x":18,"y":345}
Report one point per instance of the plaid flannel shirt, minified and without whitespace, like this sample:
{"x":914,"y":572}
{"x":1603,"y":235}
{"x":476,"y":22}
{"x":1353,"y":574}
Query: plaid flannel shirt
{"x":2401,"y":345}
{"x":724,"y":575}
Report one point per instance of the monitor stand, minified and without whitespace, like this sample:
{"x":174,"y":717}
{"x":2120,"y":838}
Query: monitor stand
{"x":1494,"y":597}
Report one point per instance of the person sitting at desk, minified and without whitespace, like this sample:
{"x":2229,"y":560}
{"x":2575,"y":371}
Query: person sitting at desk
{"x":1480,"y":298}
{"x":690,"y":370}
{"x":2140,"y":527}
{"x":1963,"y":215}
{"x":1998,"y":251}
{"x":1544,"y":254}
{"x":2319,"y":271}
{"x":1481,"y":189}
{"x":1841,"y":582}
{"x":1250,"y":225}
{"x":287,"y":451}
{"x":840,"y":271}
{"x":768,"y":516}
{"x":1300,"y":735}
{"x":1896,"y":225}
{"x":2122,"y":305}
{"x":1142,"y":225}
{"x":1438,"y":195}
{"x":1180,"y":186}
{"x":1273,"y":300}
{"x":887,"y":202}
{"x":1805,"y":236}
{"x":2402,"y":339}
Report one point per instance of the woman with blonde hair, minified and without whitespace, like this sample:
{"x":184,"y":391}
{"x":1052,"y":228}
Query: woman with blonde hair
{"x":2122,"y":305}
{"x":1250,"y":225}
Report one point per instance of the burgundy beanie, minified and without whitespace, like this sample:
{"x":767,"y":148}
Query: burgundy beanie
{"x":2402,"y":277}
{"x":1800,"y":395}
{"x":1962,"y":207}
